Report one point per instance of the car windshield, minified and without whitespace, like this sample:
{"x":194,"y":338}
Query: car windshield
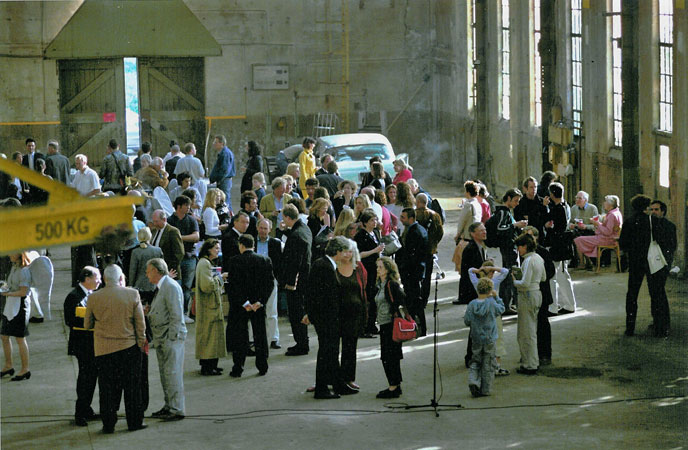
{"x":359,"y":152}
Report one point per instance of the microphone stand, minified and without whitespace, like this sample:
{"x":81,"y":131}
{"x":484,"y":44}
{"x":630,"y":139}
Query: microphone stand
{"x":439,"y":275}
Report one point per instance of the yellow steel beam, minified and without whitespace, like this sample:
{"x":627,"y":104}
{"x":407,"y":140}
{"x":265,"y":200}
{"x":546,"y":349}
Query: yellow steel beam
{"x":68,"y":218}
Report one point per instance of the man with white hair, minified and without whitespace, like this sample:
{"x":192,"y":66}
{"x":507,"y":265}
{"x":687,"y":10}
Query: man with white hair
{"x":581,"y":219}
{"x":169,"y":332}
{"x":151,"y":174}
{"x":86,"y":179}
{"x":115,"y":314}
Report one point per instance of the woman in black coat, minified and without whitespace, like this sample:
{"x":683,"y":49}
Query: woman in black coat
{"x":253,"y":165}
{"x":389,"y":297}
{"x":369,"y":246}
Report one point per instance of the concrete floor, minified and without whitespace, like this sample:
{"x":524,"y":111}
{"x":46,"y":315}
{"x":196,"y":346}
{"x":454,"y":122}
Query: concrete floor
{"x":603,"y":390}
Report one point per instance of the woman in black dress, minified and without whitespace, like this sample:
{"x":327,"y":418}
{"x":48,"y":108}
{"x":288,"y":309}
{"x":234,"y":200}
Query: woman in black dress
{"x":15,"y":315}
{"x":369,"y":245}
{"x":352,"y":278}
{"x":320,"y":226}
{"x":253,"y":165}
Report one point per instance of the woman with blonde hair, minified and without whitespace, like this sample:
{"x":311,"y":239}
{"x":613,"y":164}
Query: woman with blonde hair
{"x":319,"y":224}
{"x":345,"y":218}
{"x":403,"y":171}
{"x":361,"y":203}
{"x":352,"y":279}
{"x":211,"y":220}
{"x":15,"y":315}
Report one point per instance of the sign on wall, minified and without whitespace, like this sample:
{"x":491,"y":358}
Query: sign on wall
{"x":266,"y":77}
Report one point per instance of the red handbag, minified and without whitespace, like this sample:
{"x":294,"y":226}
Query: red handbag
{"x":404,"y":327}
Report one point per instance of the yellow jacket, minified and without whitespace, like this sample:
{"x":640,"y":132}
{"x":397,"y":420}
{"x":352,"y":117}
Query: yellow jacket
{"x":306,"y":168}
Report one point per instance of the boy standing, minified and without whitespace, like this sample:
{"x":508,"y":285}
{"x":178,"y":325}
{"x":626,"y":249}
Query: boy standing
{"x":481,"y":316}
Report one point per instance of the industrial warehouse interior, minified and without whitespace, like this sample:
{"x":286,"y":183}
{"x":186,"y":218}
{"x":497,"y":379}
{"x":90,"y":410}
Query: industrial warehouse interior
{"x":594,"y":92}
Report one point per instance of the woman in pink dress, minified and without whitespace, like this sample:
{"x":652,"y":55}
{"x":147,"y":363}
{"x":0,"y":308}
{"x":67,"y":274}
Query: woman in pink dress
{"x":403,"y":171}
{"x":606,"y":231}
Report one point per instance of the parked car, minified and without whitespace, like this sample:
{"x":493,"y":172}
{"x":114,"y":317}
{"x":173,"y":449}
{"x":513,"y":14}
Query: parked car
{"x":353,"y":151}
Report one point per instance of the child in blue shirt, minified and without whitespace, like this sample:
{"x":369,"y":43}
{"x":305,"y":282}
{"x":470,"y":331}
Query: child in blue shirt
{"x":481,"y":315}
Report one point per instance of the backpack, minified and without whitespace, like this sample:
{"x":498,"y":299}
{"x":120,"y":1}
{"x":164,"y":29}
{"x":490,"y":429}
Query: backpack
{"x":435,"y":206}
{"x":500,"y":230}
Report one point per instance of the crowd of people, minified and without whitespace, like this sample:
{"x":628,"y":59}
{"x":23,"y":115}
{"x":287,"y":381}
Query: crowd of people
{"x":343,"y":257}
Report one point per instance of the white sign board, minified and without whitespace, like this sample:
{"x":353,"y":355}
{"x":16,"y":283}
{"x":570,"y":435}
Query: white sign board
{"x":270,"y":77}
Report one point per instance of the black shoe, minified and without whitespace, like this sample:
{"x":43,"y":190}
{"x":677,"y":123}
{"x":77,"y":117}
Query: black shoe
{"x":475,"y":390}
{"x":367,"y":336}
{"x":551,"y":314}
{"x":36,"y":320}
{"x":346,"y":390}
{"x":26,"y":376}
{"x":235,"y":373}
{"x":325,"y":395}
{"x":108,"y":430}
{"x":9,"y":372}
{"x":80,"y":422}
{"x":545,"y":362}
{"x":456,"y":302}
{"x":261,"y":373}
{"x":160,"y":413}
{"x":563,"y":311}
{"x":210,"y":372}
{"x":524,"y":371}
{"x":387,"y":393}
{"x":172,"y":417}
{"x":292,"y":351}
{"x":629,"y":332}
{"x":143,"y":426}
{"x":275,"y":346}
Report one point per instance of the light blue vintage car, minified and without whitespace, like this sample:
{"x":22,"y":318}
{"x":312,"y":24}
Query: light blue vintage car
{"x":353,"y":151}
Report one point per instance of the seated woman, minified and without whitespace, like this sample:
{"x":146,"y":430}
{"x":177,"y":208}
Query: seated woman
{"x":606,"y":231}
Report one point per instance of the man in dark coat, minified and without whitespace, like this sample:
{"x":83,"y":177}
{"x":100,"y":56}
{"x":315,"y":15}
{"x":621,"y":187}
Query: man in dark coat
{"x":56,"y":164}
{"x":32,"y":155}
{"x":665,"y":235}
{"x":473,"y":257}
{"x":323,"y":308}
{"x":250,"y":284}
{"x":637,"y":233}
{"x":296,"y":264}
{"x":330,"y":180}
{"x":530,"y":206}
{"x":80,"y":344}
{"x":412,"y":259}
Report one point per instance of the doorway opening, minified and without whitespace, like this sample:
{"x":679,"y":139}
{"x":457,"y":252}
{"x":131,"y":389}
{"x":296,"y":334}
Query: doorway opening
{"x":132,"y":116}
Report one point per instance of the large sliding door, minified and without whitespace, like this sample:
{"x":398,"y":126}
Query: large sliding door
{"x":91,"y":106}
{"x":172,"y":102}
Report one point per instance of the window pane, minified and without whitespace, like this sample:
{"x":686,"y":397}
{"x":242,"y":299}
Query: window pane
{"x":664,"y":166}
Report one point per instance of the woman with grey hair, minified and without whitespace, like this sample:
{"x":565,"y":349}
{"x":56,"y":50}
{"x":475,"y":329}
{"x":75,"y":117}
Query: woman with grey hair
{"x":137,"y":266}
{"x":352,"y":278}
{"x":607,"y":229}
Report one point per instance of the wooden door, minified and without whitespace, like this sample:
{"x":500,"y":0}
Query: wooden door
{"x":172,"y":102}
{"x":91,"y":106}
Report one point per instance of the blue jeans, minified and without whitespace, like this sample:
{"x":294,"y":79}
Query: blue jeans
{"x":225,"y":185}
{"x":186,"y":278}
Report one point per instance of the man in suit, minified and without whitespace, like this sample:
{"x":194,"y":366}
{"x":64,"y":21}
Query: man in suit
{"x":250,"y":284}
{"x":272,"y":248}
{"x":230,"y":238}
{"x":166,"y":317}
{"x":31,"y":154}
{"x":169,"y":239}
{"x":330,"y":180}
{"x":637,"y":233}
{"x":224,"y":168}
{"x":412,"y":260}
{"x":80,"y":344}
{"x":323,"y":307}
{"x":56,"y":164}
{"x":249,"y":205}
{"x":115,"y":314}
{"x":115,"y":167}
{"x":296,"y":264}
{"x":271,"y":205}
{"x":665,"y":235}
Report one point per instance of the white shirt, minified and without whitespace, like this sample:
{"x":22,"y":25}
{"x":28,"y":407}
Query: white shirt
{"x":86,"y":182}
{"x":212,"y":222}
{"x":533,"y":268}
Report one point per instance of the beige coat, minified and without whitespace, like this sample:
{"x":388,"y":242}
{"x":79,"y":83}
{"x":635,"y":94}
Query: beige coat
{"x":210,"y":324}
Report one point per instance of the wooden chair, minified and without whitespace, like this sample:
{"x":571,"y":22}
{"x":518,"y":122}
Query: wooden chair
{"x":613,"y":247}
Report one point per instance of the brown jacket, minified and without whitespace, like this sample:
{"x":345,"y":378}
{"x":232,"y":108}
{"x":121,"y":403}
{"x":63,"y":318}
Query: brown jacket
{"x":172,"y":247}
{"x":116,"y":315}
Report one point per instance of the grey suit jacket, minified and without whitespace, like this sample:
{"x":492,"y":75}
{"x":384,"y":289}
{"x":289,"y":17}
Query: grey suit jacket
{"x":137,"y":266}
{"x":167,"y":313}
{"x":57,"y":166}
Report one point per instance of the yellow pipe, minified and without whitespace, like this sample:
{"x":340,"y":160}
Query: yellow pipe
{"x":30,"y":123}
{"x":224,"y":117}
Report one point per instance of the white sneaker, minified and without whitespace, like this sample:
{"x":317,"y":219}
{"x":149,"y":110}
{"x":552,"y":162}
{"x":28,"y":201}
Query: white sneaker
{"x":188,"y":319}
